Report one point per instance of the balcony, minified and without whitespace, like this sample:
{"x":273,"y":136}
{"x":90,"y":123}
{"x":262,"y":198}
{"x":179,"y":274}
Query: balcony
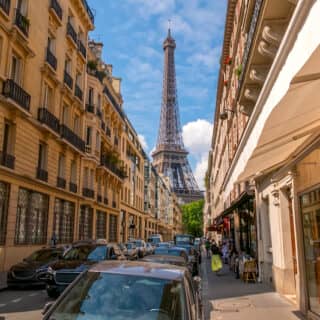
{"x":103,"y":125}
{"x":90,"y":14}
{"x":42,"y":174}
{"x":22,"y":22}
{"x":7,"y":160}
{"x":82,"y":49}
{"x":118,"y":171}
{"x":73,"y":187}
{"x":108,"y":132}
{"x":89,"y":193}
{"x":90,"y":107}
{"x":105,"y":201}
{"x":47,"y":118}
{"x":113,"y":101}
{"x":72,"y":138}
{"x":5,"y":6}
{"x":61,"y":183}
{"x":71,"y":33}
{"x":13,"y":91}
{"x":51,"y":59}
{"x":99,"y":198}
{"x":68,"y":80}
{"x":56,"y":8}
{"x":78,"y":92}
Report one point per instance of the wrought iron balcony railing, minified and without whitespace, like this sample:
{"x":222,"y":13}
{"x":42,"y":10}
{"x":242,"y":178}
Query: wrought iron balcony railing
{"x":57,"y":8}
{"x":89,"y":193}
{"x":51,"y":59}
{"x":22,"y":22}
{"x":250,"y":37}
{"x":5,"y":6}
{"x":46,"y":117}
{"x":78,"y":92}
{"x":118,"y":171}
{"x":82,"y":49}
{"x":13,"y":91}
{"x":61,"y":182}
{"x":90,"y":107}
{"x":71,"y":32}
{"x":73,"y":187}
{"x":42,"y":174}
{"x":72,"y":138}
{"x":68,"y":80}
{"x":7,"y":160}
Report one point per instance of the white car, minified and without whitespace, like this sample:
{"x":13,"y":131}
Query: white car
{"x":141,"y":247}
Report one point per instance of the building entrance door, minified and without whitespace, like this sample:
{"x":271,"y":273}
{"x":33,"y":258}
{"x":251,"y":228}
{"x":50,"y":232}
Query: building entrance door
{"x":310,"y":204}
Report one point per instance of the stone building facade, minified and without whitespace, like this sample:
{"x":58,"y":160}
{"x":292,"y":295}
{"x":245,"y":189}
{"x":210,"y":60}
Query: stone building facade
{"x":71,"y":165}
{"x":262,"y":179}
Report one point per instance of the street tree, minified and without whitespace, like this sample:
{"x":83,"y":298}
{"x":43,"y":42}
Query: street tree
{"x":192,"y":218}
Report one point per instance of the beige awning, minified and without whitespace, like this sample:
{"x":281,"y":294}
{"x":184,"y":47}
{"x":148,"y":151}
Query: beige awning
{"x":291,"y":124}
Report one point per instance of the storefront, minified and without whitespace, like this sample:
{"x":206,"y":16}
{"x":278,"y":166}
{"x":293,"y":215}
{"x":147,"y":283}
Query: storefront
{"x":310,"y":214}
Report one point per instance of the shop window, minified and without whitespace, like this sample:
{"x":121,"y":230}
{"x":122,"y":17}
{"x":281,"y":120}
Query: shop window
{"x":85,"y":223}
{"x":63,"y":220}
{"x":101,"y":225}
{"x":4,"y":203}
{"x":32,"y":217}
{"x":113,"y":228}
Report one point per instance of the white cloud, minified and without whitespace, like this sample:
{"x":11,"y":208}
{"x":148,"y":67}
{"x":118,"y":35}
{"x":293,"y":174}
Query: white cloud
{"x":143,"y":141}
{"x":153,"y":7}
{"x":197,"y":139}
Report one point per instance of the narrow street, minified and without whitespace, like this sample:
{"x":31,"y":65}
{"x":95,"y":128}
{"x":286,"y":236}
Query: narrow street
{"x":22,"y":304}
{"x":228,"y":298}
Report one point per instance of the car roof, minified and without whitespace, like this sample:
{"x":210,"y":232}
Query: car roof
{"x":162,"y":257}
{"x":140,"y":268}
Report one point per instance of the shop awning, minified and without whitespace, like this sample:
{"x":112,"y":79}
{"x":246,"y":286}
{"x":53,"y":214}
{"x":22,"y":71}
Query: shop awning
{"x":245,"y":196}
{"x":292,"y":124}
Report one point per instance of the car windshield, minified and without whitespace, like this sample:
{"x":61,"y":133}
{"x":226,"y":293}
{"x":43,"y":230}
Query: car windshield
{"x":90,"y":253}
{"x":184,"y":239}
{"x":44,"y":255}
{"x":120,"y":297}
{"x":138,"y":243}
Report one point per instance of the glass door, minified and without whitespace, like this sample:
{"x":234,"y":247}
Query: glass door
{"x":311,"y":232}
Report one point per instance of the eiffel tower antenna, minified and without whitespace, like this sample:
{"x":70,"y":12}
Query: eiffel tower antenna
{"x":170,"y":157}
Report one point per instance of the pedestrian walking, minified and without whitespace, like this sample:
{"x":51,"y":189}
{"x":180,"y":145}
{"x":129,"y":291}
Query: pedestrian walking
{"x":225,"y":252}
{"x":208,"y":246}
{"x":216,"y":262}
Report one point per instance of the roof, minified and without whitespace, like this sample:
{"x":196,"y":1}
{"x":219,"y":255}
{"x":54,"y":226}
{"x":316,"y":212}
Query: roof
{"x":140,"y":268}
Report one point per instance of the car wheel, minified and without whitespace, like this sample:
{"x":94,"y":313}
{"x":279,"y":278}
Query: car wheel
{"x":52,"y":293}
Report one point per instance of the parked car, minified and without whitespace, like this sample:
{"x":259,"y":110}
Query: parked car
{"x":132,"y":251}
{"x":164,"y":245}
{"x":168,"y":259}
{"x":187,"y":241}
{"x":32,"y":270}
{"x":123,"y":249}
{"x":129,"y":290}
{"x":141,"y":247}
{"x":155,"y":239}
{"x":150,"y":248}
{"x":78,"y":259}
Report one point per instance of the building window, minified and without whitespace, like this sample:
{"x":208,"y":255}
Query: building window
{"x":63,"y":220}
{"x":76,"y":125}
{"x":67,"y":66}
{"x":52,"y":44}
{"x":43,"y":155}
{"x":90,"y":96}
{"x":61,"y":166}
{"x":22,"y":7}
{"x":47,"y":97}
{"x":98,"y":141}
{"x":65,"y":115}
{"x":101,"y":225}
{"x":4,"y":203}
{"x":113,"y":228}
{"x":16,"y":68}
{"x":32,"y":217}
{"x":8,"y":138}
{"x":99,"y":102}
{"x":86,"y":222}
{"x":92,"y":175}
{"x":86,"y":177}
{"x":73,"y":172}
{"x":88,"y":136}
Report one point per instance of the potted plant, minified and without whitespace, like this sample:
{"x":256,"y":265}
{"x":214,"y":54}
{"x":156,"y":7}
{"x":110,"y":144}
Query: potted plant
{"x":228,"y":60}
{"x":92,"y":65}
{"x":238,"y":70}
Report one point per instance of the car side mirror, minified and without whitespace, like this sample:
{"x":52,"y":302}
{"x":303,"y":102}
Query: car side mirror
{"x":46,"y":307}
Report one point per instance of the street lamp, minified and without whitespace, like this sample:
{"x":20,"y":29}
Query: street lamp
{"x":224,"y":114}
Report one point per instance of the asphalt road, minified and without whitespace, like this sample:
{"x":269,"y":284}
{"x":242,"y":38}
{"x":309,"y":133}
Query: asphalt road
{"x":23,"y":304}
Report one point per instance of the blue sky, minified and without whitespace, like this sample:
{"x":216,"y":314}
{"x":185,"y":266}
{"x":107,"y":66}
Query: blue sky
{"x":133,"y":31}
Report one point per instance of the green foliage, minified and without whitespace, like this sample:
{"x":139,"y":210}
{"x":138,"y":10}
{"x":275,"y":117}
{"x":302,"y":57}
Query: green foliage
{"x":92,"y":65}
{"x":192,"y":218}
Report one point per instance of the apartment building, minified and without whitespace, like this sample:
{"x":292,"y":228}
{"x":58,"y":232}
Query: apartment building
{"x":71,"y":165}
{"x":262,"y":182}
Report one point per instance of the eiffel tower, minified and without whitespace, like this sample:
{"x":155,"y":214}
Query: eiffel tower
{"x":170,"y":157}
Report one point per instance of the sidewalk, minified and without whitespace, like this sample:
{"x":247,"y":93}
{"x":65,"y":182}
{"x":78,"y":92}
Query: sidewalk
{"x":227,"y":298}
